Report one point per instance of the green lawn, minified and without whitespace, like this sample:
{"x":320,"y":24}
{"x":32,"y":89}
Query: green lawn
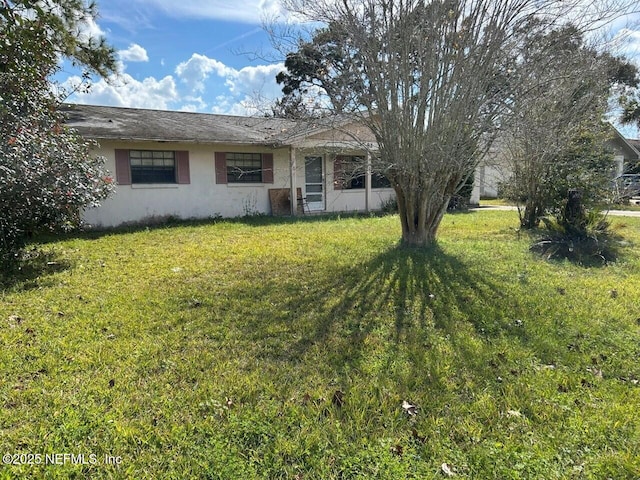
{"x":281,"y":349}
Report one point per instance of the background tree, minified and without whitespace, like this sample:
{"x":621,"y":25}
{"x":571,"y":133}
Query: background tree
{"x":47,"y":175}
{"x":554,"y":138}
{"x":430,"y":79}
{"x":630,"y":104}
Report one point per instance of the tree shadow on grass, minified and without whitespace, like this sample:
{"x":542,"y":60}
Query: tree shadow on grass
{"x":402,"y":298}
{"x":33,"y":264}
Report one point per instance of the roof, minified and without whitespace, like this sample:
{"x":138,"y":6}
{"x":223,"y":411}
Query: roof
{"x":117,"y":123}
{"x":137,"y":124}
{"x":631,"y":146}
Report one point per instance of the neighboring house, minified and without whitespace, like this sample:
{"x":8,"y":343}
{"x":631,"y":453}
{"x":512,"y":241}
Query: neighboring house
{"x":492,"y":171}
{"x":195,"y":165}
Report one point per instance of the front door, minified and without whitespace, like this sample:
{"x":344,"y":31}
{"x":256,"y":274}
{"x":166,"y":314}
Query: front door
{"x":314,"y":183}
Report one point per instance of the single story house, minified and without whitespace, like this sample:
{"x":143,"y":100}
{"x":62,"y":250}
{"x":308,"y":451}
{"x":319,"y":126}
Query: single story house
{"x":493,"y":170}
{"x":195,"y":165}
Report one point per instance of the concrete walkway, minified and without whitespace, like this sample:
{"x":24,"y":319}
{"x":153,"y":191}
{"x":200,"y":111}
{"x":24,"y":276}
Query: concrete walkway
{"x":615,"y":213}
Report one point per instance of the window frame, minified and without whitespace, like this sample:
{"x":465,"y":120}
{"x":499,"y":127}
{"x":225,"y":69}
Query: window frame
{"x":247,"y":173}
{"x":352,"y":179}
{"x":378,"y":177}
{"x":152,"y":176}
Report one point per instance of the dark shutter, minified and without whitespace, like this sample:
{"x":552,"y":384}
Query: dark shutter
{"x":123,"y":167}
{"x":182,"y":163}
{"x":267,"y":168}
{"x":221,"y":167}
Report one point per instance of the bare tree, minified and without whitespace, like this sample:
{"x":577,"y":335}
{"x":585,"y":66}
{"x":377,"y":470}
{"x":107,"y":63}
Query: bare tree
{"x":431,"y":79}
{"x":554,"y":139}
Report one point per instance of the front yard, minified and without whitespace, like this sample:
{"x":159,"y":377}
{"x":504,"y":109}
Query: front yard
{"x":276,"y":349}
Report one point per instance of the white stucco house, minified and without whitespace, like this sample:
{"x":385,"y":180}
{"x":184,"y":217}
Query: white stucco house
{"x":493,"y":170}
{"x":195,"y":165}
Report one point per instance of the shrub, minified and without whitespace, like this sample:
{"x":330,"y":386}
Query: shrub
{"x":582,"y":236}
{"x":47,"y":175}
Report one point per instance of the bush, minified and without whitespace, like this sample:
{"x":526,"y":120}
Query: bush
{"x":582,"y":236}
{"x":47,"y":175}
{"x":389,"y":205}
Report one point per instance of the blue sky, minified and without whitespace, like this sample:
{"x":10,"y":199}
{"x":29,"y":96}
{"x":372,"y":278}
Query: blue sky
{"x":201,"y":55}
{"x":185,"y":55}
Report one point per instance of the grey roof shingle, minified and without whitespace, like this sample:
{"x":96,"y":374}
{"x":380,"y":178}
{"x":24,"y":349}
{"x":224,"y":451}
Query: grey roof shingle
{"x":117,"y":123}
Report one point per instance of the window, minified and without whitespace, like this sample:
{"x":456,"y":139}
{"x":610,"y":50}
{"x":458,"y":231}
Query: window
{"x":244,"y":167}
{"x":232,"y":167}
{"x":152,"y":166}
{"x":350,"y":174}
{"x":378,"y":180}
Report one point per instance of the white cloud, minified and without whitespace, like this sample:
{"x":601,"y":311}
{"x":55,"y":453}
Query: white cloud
{"x":260,"y":78}
{"x":249,"y":89}
{"x":195,"y":104}
{"x":250,"y":11}
{"x":629,"y":43}
{"x":135,"y":53}
{"x":200,"y":84}
{"x":196,"y":70}
{"x":126,"y":91}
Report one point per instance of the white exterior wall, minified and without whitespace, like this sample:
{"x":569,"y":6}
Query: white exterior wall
{"x":341,"y":200}
{"x":202,"y":198}
{"x":488,"y":179}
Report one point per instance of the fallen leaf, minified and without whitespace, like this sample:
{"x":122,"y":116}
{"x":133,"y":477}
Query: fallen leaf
{"x":597,"y":372}
{"x":446,"y":469}
{"x":587,"y":384}
{"x":397,"y":450}
{"x":409,"y":409}
{"x":338,"y":398}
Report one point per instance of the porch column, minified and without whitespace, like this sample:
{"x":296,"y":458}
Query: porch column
{"x":293,"y":194}
{"x":367,"y":185}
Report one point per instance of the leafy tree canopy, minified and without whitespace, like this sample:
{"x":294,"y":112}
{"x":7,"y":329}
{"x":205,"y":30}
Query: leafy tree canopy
{"x":47,"y":175}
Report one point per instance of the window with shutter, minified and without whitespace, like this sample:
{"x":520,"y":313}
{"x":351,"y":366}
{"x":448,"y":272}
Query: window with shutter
{"x":235,"y":167}
{"x":152,"y":166}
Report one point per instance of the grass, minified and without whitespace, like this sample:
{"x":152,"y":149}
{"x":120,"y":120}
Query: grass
{"x":496,"y":202}
{"x":285,"y":349}
{"x":501,"y":202}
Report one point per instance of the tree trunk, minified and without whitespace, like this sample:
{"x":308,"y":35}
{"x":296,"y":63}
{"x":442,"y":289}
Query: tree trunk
{"x":530,"y":216}
{"x":419,"y":218}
